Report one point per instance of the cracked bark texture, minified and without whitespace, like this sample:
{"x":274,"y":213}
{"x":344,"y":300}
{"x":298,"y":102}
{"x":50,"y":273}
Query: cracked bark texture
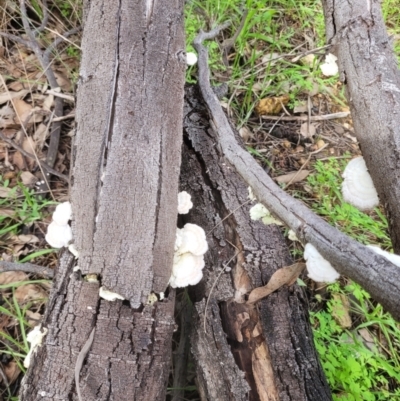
{"x":260,"y":352}
{"x":369,"y":68}
{"x":127,"y":147}
{"x":124,"y":201}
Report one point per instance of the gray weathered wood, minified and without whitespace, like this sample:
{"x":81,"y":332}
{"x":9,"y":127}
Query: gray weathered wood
{"x":369,"y":69}
{"x":124,"y":202}
{"x":127,"y":147}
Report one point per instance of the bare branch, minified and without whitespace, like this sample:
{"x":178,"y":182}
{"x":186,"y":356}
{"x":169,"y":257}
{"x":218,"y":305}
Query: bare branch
{"x":27,"y":268}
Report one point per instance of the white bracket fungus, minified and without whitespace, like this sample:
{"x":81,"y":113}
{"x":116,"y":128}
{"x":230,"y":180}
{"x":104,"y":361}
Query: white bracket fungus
{"x":184,"y":202}
{"x":35,"y":338}
{"x":251,"y":194}
{"x":191,"y":58}
{"x":329,"y":68}
{"x":58,"y":236}
{"x":108,"y":295}
{"x":190,"y":246}
{"x":59,"y":233}
{"x":357,"y":187}
{"x":319,"y":269}
{"x":395,"y":259}
{"x":259,"y":211}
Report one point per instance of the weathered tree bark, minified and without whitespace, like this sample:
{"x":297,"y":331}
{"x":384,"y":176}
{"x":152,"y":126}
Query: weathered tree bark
{"x":242,"y":352}
{"x":369,"y":69}
{"x":124,"y":201}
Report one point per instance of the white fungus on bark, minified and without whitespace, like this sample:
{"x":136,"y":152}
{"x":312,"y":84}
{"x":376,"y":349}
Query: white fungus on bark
{"x":318,"y":268}
{"x":190,"y":247}
{"x":184,"y":202}
{"x":109,"y":295}
{"x":392,"y":257}
{"x":357,"y":187}
{"x":260,"y":212}
{"x":59,"y":233}
{"x":62,"y":214}
{"x":58,"y":236}
{"x":35,"y":338}
{"x":329,"y":68}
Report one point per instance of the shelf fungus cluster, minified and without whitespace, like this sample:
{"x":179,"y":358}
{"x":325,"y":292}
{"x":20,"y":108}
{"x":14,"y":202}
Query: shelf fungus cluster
{"x":190,"y":247}
{"x":59,"y":232}
{"x":357,"y":187}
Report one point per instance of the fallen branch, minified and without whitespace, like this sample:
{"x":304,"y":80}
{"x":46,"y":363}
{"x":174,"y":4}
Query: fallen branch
{"x":373,"y":272}
{"x":342,"y":114}
{"x":27,"y":268}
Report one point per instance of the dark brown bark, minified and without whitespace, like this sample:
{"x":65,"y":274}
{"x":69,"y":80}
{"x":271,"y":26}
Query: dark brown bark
{"x":369,"y":68}
{"x":124,"y":201}
{"x":262,"y":352}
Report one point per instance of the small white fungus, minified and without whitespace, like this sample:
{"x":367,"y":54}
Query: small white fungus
{"x":108,"y":295}
{"x":184,"y":202}
{"x":319,"y":269}
{"x":58,"y":236}
{"x":251,"y":194}
{"x":191,"y":58}
{"x":259,"y":211}
{"x":292,"y":236}
{"x":63,"y":213}
{"x":35,"y":338}
{"x":329,"y":68}
{"x":357,"y":187}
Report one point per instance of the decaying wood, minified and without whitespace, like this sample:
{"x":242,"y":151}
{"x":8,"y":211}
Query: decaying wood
{"x":247,"y":352}
{"x":369,"y":68}
{"x":373,"y":272}
{"x":124,"y":203}
{"x":126,"y":168}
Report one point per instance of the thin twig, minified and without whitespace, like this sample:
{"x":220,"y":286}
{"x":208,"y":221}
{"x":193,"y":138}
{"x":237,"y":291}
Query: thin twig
{"x":332,"y":116}
{"x":27,"y":268}
{"x":27,"y":154}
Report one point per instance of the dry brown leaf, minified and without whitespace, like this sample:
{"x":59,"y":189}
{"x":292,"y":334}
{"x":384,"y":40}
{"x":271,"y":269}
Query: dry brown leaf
{"x":11,"y":371}
{"x":308,"y":130}
{"x":23,"y":239}
{"x":271,"y":105}
{"x":48,"y":102}
{"x":29,"y":293}
{"x":28,"y":179}
{"x":40,"y":135}
{"x":340,"y":310}
{"x":33,"y":318}
{"x":7,"y":96}
{"x":286,"y":275}
{"x":5,"y":192}
{"x":295,"y":176}
{"x":7,"y":212}
{"x":63,"y":81}
{"x":13,"y":277}
{"x":22,"y":109}
{"x":18,"y":160}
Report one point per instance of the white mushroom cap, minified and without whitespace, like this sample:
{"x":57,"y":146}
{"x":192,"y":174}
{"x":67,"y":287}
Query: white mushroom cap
{"x":193,"y":240}
{"x":191,"y":58}
{"x":187,"y":270}
{"x":35,"y":337}
{"x":395,"y":259}
{"x":319,"y":269}
{"x":58,"y":235}
{"x":184,"y":202}
{"x":63,"y":213}
{"x":330,"y":67}
{"x":357,"y":187}
{"x":109,"y":295}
